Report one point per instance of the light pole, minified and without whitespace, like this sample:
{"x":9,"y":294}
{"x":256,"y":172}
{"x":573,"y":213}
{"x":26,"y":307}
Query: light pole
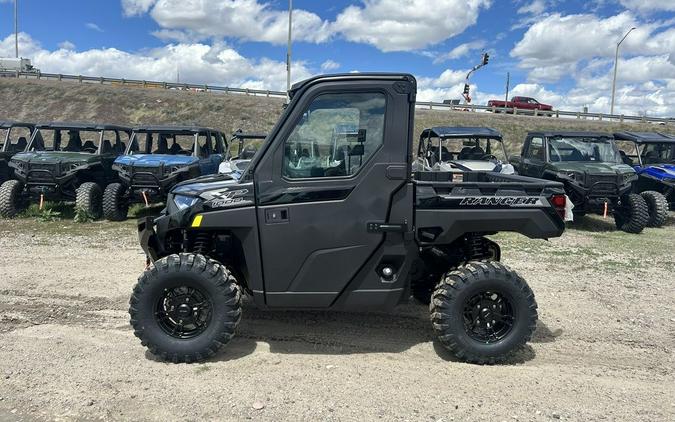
{"x":16,"y":28}
{"x":288,"y":52}
{"x":616,"y":65}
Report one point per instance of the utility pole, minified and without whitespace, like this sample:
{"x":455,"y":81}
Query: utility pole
{"x":16,"y":28}
{"x":290,"y":42}
{"x":616,"y":65}
{"x":508,"y":82}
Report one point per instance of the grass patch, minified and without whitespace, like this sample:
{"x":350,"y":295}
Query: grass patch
{"x":83,"y":216}
{"x":51,"y":211}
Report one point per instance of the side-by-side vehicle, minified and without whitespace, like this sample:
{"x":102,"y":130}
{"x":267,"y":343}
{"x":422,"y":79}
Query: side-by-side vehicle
{"x":354,"y":230}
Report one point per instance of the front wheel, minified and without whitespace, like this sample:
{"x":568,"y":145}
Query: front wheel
{"x":632,"y":215}
{"x":657,"y":206}
{"x":185,"y":307}
{"x":89,"y":199}
{"x":12,"y":199}
{"x":115,"y":202}
{"x":482,"y":312}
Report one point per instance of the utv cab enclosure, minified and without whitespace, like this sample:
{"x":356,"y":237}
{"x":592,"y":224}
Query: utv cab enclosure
{"x":347,"y":231}
{"x":652,"y":155}
{"x":458,"y":149}
{"x":14,"y":137}
{"x":64,"y":162}
{"x":157,"y":158}
{"x":590,"y":166}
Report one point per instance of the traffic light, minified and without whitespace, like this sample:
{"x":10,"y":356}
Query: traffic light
{"x":466,"y":89}
{"x":486,"y":58}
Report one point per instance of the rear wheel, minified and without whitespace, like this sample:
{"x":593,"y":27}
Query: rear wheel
{"x":115,"y":202}
{"x":632,"y":215}
{"x":657,"y":206}
{"x":12,"y":199}
{"x":89,"y":199}
{"x":185,"y":308}
{"x":482,"y":312}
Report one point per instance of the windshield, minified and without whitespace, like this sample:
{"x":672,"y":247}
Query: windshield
{"x":600,"y":150}
{"x":464,"y":149}
{"x":66,"y":140}
{"x":658,"y":153}
{"x":162,"y":143}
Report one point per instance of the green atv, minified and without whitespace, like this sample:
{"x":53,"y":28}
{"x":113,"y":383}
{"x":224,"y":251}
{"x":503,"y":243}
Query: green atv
{"x":64,"y":162}
{"x":590,"y":166}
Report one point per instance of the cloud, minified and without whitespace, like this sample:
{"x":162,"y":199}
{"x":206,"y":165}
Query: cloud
{"x":392,"y":25}
{"x":536,"y":7}
{"x":136,"y":7}
{"x":217,"y":64}
{"x":93,"y":27}
{"x":329,"y":65}
{"x":248,"y":20}
{"x":67,"y":45}
{"x":649,"y":5}
{"x":460,"y":51}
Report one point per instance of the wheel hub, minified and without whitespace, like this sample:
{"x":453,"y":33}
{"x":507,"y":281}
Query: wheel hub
{"x":183,"y":312}
{"x":488,"y":317}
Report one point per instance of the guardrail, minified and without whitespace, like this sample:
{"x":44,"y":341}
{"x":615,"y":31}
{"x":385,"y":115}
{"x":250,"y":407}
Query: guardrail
{"x":282,"y":94}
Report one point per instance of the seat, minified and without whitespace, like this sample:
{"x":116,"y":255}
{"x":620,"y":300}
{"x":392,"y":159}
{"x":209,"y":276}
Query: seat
{"x":20,"y":145}
{"x":175,"y":148}
{"x":465,"y":153}
{"x":89,"y":145}
{"x":625,"y":158}
{"x":162,"y":145}
{"x":106,"y":147}
{"x":445,"y":154}
{"x":74,"y":142}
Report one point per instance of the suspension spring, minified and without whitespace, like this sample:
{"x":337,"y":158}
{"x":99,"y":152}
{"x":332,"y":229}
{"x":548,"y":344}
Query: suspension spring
{"x":475,"y":246}
{"x":202,"y":243}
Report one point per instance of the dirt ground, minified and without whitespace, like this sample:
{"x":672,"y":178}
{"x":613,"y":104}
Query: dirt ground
{"x":603,"y":349}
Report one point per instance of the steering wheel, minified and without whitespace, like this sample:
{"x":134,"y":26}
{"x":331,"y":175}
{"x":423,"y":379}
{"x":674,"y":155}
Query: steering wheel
{"x":89,"y":150}
{"x":488,"y":157}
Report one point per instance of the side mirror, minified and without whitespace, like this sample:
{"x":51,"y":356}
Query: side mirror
{"x":361,"y":137}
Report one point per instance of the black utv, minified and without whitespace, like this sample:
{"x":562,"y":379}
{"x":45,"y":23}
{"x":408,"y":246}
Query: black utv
{"x":64,"y":162}
{"x":159,"y":157}
{"x":590,"y":166}
{"x":349,"y":231}
{"x":14,"y":138}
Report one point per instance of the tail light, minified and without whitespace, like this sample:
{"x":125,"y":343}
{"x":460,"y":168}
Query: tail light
{"x":559,"y":202}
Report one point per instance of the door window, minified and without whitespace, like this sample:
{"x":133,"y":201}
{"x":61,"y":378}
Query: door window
{"x":336,"y":136}
{"x":536,"y":149}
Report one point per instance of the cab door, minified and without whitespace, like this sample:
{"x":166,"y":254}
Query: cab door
{"x":314,"y":212}
{"x":534,"y":157}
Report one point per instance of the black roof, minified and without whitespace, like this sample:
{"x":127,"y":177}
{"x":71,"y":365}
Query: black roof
{"x":461,"y":132}
{"x":81,"y":126}
{"x":645,"y":137}
{"x":571,"y":134}
{"x":248,"y":135}
{"x":173,"y":129}
{"x":351,"y":77}
{"x":9,"y":123}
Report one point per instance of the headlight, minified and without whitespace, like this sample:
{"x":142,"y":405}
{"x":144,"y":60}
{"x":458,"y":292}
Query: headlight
{"x":571,"y":175}
{"x":176,"y":168}
{"x":18,"y":164}
{"x":183,"y":202}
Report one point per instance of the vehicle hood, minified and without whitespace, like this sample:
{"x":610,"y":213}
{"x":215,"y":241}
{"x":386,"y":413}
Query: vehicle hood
{"x":213,"y":182}
{"x":155,"y":160}
{"x":661,"y":171}
{"x":592,"y":168}
{"x":53,"y":157}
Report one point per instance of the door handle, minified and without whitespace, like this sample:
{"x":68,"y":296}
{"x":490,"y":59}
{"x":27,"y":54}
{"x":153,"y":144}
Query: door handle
{"x":276,"y":215}
{"x":386,"y":228}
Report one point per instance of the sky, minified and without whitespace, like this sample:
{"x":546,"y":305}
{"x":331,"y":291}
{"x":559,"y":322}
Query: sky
{"x":558,"y":51}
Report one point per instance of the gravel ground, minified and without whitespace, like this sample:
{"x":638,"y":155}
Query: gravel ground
{"x":603,"y":349}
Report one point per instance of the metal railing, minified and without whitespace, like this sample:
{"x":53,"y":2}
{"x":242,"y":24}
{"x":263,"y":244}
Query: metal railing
{"x":135,"y":83}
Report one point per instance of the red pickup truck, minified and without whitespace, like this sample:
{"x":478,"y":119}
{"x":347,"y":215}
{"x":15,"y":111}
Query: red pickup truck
{"x":521,"y":103}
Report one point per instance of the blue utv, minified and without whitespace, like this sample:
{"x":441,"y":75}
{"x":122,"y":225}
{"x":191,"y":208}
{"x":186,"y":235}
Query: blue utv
{"x":653,"y":158}
{"x":158,"y":158}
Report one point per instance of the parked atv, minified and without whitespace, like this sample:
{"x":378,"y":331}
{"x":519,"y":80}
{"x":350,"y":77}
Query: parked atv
{"x":352,"y":230}
{"x":14,"y":137}
{"x":242,"y":148}
{"x":64,"y":162}
{"x":654,"y":162}
{"x":157,"y":158}
{"x":458,"y":149}
{"x":595,"y":177}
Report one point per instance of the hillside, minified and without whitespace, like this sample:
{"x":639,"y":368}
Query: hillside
{"x":44,"y":101}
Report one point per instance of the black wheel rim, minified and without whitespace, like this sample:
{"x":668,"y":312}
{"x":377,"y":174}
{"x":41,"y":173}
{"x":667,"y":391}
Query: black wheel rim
{"x":488,"y":317}
{"x":183,"y":312}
